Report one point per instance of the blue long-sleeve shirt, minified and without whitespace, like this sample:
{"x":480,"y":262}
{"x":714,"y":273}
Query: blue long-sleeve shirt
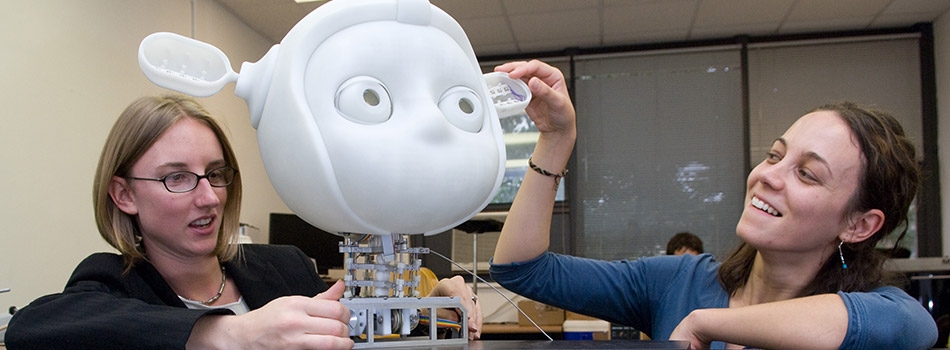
{"x":654,"y":294}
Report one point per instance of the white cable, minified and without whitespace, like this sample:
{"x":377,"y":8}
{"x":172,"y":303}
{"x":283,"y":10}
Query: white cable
{"x":497,"y":291}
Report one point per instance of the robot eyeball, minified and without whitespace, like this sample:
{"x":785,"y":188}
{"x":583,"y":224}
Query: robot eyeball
{"x":364,"y":100}
{"x":462,"y":108}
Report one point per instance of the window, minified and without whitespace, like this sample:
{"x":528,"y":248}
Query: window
{"x":659,"y":151}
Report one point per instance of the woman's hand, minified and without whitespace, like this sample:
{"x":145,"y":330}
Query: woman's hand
{"x":687,"y":331}
{"x":293,"y":322}
{"x":456,"y":287}
{"x":550,"y":107}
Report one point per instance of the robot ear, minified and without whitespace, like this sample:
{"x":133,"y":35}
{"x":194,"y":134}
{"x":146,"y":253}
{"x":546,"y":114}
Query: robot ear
{"x":510,"y":96}
{"x":184,"y":64}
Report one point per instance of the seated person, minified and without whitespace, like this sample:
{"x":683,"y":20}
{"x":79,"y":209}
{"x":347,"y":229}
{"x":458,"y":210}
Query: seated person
{"x":179,"y":281}
{"x":684,"y":243}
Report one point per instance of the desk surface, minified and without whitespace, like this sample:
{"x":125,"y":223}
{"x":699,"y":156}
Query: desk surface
{"x":557,"y":344}
{"x":563,"y":344}
{"x":508,"y":328}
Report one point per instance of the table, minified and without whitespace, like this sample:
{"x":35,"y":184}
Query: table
{"x":564,"y":344}
{"x":502,"y":328}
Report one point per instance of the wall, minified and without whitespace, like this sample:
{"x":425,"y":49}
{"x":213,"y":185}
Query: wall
{"x":68,"y":69}
{"x":942,"y":62}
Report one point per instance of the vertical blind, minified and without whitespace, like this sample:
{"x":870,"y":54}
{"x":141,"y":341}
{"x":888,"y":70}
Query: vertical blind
{"x":786,"y":81}
{"x":659,"y":151}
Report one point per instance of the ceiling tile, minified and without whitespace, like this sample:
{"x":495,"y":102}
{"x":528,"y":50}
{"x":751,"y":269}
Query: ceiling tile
{"x":559,"y":43}
{"x":470,"y":9}
{"x":487,"y":31}
{"x":901,"y":20}
{"x":524,"y":7}
{"x":664,"y":16}
{"x":498,"y":27}
{"x":824,"y":25}
{"x":553,"y":25}
{"x":812,"y":10}
{"x":722,"y":13}
{"x":650,"y":37}
{"x":931,"y":7}
{"x":728,"y":31}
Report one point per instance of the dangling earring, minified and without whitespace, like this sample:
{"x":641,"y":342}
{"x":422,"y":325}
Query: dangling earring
{"x":840,"y":254}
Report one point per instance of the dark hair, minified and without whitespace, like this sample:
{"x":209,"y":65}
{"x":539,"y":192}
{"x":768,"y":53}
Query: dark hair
{"x":684,"y":239}
{"x":889,"y":182}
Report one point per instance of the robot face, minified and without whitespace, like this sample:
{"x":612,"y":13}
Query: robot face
{"x":408,"y":128}
{"x":372,"y":116}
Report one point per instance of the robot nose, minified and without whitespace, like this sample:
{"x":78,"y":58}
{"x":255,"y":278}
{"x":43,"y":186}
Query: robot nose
{"x":433,"y":127}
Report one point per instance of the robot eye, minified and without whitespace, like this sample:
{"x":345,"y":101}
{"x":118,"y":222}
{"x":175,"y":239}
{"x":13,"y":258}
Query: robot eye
{"x":462,"y":108}
{"x":364,"y":100}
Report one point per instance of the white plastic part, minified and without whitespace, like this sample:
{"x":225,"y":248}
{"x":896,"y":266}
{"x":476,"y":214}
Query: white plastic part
{"x":183,"y":64}
{"x":372,"y":116}
{"x":510,"y":96}
{"x":254,"y":82}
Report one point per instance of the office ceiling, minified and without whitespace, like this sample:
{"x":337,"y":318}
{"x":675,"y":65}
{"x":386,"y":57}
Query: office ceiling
{"x":511,"y":27}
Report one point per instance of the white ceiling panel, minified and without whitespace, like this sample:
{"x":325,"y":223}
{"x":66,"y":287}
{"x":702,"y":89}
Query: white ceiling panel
{"x":497,"y":27}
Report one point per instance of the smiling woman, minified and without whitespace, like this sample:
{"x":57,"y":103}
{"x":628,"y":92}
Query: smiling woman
{"x":837,"y":181}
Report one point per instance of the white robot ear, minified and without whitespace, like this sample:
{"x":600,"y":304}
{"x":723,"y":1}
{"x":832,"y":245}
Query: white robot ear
{"x":184,"y":64}
{"x":510,"y":96}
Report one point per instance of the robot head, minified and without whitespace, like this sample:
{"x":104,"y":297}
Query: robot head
{"x":373,"y":117}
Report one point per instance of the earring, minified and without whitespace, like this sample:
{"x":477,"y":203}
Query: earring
{"x":840,"y":254}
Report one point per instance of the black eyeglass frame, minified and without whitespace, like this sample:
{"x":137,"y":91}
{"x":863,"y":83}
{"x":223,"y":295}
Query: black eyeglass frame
{"x":197,"y":178}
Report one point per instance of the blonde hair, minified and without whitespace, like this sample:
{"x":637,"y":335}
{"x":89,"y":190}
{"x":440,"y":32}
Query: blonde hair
{"x":137,"y":128}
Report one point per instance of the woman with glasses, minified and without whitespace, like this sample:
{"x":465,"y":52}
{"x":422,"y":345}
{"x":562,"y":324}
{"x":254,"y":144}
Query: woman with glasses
{"x":167,"y":195}
{"x":806,"y":275}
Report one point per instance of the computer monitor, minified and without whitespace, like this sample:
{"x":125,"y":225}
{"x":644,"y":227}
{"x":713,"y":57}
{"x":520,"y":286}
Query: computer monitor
{"x":319,"y":245}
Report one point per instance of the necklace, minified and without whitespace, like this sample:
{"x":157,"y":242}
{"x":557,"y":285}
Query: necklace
{"x":224,"y":280}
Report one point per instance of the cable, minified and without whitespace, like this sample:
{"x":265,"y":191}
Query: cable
{"x":496,"y":291}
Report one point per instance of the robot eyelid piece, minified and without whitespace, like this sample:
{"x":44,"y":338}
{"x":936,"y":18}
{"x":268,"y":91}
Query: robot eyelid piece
{"x":510,"y":96}
{"x":184,"y":64}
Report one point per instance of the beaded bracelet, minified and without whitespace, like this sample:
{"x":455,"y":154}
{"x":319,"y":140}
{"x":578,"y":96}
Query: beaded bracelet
{"x":557,"y":177}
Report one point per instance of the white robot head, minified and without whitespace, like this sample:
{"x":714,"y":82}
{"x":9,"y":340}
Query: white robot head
{"x":372,"y":116}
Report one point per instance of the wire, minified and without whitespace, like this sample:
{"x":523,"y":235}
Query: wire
{"x":497,"y":291}
{"x":441,"y":322}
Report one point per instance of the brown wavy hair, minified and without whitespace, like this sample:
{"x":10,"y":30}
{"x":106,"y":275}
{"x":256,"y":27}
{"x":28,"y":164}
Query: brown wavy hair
{"x":889,"y":182}
{"x":138,"y":127}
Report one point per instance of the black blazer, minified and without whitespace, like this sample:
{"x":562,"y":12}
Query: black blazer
{"x":101,"y":308}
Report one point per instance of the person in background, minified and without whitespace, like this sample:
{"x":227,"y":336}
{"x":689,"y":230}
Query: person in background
{"x":167,"y":196}
{"x":806,"y":274}
{"x":684,"y":243}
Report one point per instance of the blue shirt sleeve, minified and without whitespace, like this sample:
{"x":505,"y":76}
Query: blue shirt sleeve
{"x":887,"y":318}
{"x":650,"y":294}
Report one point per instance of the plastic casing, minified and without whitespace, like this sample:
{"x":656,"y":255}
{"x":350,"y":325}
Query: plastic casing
{"x":373,"y":117}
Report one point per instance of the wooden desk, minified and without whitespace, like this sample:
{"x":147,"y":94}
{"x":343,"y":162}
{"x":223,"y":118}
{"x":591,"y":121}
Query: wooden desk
{"x":507,"y":328}
{"x":512,"y":331}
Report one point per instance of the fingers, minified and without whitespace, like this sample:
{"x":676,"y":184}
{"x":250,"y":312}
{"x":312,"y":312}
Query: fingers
{"x":456,"y":287}
{"x":548,"y":74}
{"x":335,"y":292}
{"x":292,"y":322}
{"x":475,"y":320}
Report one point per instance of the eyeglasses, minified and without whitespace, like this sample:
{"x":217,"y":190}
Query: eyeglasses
{"x":185,"y":181}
